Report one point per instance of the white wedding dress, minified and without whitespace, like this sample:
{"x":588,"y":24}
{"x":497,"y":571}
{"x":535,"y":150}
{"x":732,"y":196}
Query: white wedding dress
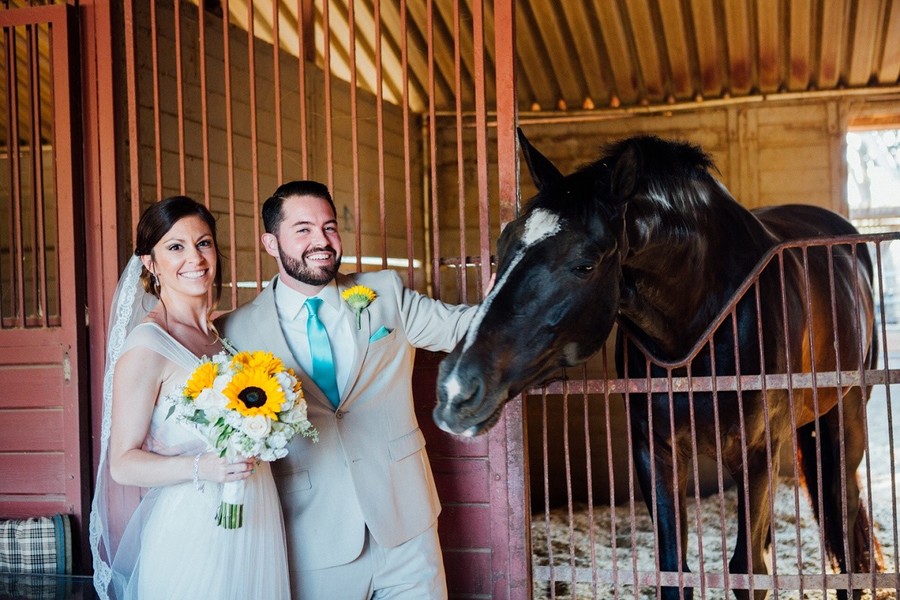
{"x":172,"y":547}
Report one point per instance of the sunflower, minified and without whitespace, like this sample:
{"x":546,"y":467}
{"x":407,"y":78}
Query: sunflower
{"x":358,"y":297}
{"x":264,"y":361}
{"x":202,"y":378}
{"x":253,"y":392}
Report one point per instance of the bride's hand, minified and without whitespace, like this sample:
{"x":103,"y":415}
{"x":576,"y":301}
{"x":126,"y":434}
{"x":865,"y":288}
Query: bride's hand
{"x":220,"y":470}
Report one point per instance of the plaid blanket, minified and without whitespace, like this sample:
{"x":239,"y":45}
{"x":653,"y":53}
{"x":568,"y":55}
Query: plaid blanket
{"x":36,"y":545}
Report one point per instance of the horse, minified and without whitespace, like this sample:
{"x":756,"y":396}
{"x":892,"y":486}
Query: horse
{"x":648,"y":238}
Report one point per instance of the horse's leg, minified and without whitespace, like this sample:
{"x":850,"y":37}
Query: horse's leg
{"x":661,"y":480}
{"x":858,"y":525}
{"x":755,"y":499}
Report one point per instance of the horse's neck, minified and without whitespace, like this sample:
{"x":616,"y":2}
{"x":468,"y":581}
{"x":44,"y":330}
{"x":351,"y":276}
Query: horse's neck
{"x":678,"y":279}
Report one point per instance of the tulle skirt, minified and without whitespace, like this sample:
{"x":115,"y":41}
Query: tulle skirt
{"x":184,"y":554}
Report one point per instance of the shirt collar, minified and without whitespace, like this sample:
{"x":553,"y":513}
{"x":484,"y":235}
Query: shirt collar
{"x":289,"y":302}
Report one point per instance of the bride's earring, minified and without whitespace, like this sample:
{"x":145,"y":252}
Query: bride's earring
{"x":155,"y":281}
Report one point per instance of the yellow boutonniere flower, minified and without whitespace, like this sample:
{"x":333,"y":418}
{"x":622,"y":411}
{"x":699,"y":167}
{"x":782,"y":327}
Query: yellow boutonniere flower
{"x":358,"y":297}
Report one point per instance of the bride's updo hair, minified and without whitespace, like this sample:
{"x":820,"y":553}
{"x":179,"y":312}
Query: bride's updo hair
{"x":156,"y":222}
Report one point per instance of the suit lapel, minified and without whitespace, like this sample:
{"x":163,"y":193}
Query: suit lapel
{"x":360,"y":336}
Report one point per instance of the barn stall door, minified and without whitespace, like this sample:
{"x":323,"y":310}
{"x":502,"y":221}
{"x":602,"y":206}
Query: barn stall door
{"x":42,"y":326}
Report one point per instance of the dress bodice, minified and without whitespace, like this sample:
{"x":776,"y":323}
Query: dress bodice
{"x":166,"y":436}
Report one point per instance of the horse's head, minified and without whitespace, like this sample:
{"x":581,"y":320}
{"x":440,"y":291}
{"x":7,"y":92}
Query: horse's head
{"x":554,"y":301}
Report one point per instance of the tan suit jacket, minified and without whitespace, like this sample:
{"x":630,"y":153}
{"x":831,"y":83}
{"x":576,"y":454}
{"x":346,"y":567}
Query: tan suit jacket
{"x":369,"y":467}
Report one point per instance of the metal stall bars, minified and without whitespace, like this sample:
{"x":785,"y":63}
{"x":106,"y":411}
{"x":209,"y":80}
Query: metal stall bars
{"x":393,"y":105}
{"x":594,"y":551}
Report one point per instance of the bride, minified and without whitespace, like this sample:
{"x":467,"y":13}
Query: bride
{"x":160,"y":327}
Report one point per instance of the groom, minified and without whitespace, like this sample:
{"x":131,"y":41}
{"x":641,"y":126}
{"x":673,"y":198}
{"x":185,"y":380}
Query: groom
{"x":360,"y":506}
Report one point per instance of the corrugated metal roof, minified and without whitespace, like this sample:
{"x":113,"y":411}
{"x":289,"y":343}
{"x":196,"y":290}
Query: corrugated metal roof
{"x":590,"y":54}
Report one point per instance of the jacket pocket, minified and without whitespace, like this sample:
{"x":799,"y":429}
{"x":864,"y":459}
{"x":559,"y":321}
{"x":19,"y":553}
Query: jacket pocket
{"x":292,"y":482}
{"x":406,"y":445}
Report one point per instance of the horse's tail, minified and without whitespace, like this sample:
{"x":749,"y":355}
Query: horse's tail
{"x":865,"y":547}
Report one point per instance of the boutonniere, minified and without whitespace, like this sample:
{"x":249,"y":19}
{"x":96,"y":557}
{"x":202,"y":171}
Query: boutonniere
{"x":358,"y":297}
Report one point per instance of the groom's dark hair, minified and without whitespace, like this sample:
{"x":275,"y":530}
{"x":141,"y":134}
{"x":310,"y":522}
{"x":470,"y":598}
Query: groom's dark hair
{"x":272,"y":214}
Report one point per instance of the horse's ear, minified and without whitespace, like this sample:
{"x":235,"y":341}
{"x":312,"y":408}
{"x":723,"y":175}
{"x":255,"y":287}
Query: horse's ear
{"x":543,"y":173}
{"x":626,"y":173}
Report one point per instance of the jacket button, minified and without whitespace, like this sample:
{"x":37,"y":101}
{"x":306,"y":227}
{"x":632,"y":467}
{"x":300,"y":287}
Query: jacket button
{"x":339,"y":414}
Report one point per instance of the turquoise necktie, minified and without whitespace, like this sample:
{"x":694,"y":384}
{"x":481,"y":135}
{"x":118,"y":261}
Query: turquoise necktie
{"x":320,"y":351}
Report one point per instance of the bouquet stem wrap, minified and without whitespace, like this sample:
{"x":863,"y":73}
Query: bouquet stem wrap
{"x":231,"y":510}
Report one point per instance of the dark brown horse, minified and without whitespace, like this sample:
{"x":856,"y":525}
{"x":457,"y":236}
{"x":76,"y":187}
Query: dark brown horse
{"x":648,"y":236}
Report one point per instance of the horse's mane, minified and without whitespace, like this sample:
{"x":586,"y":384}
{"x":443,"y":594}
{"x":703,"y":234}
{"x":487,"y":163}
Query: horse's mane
{"x":667,"y":159}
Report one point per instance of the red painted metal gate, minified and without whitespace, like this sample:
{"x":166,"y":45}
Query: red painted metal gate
{"x":43,"y":421}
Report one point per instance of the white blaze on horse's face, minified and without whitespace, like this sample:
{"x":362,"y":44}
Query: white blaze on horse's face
{"x":540,"y":225}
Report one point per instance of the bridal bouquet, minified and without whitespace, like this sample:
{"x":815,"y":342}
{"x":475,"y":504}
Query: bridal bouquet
{"x":244,"y":405}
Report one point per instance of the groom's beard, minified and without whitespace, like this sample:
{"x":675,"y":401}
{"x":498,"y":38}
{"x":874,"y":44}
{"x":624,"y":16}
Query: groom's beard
{"x":299,"y":270}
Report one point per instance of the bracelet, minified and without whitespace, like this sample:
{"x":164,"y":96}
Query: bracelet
{"x":197,"y":483}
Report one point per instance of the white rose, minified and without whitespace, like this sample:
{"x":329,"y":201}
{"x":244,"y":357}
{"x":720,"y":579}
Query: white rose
{"x":296,"y":415}
{"x":256,"y":427}
{"x":210,"y":398}
{"x":234,"y":418}
{"x":221,"y":382}
{"x":278,"y":440}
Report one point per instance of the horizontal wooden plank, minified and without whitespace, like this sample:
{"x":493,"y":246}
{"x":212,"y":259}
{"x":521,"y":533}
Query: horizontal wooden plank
{"x":31,"y":430}
{"x":465,"y":526}
{"x":14,"y":353}
{"x":462,"y":479}
{"x":33,"y":387}
{"x":32,"y":473}
{"x":814,"y":182}
{"x":32,"y":339}
{"x":468,"y":572}
{"x":796,"y":158}
{"x":26,"y":506}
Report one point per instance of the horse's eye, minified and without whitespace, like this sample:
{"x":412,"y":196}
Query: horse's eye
{"x":583,"y":270}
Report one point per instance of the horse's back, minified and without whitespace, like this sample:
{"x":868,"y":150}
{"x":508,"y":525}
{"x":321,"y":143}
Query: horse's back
{"x":799,"y":221}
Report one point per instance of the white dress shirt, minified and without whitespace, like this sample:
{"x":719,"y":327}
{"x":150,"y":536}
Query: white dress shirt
{"x":292,"y":316}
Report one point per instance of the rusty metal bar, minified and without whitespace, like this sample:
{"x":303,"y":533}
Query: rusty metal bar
{"x":329,"y":133}
{"x":407,"y":147}
{"x":276,"y":70}
{"x":354,"y":135}
{"x":204,"y":107}
{"x":179,"y":97}
{"x":254,"y":142}
{"x":157,"y":129}
{"x":432,"y":152}
{"x":722,"y":382}
{"x":229,"y":143}
{"x":713,"y":580}
{"x":133,"y":130}
{"x":379,"y":125}
{"x":305,"y":24}
{"x":460,"y":154}
{"x":481,"y":153}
